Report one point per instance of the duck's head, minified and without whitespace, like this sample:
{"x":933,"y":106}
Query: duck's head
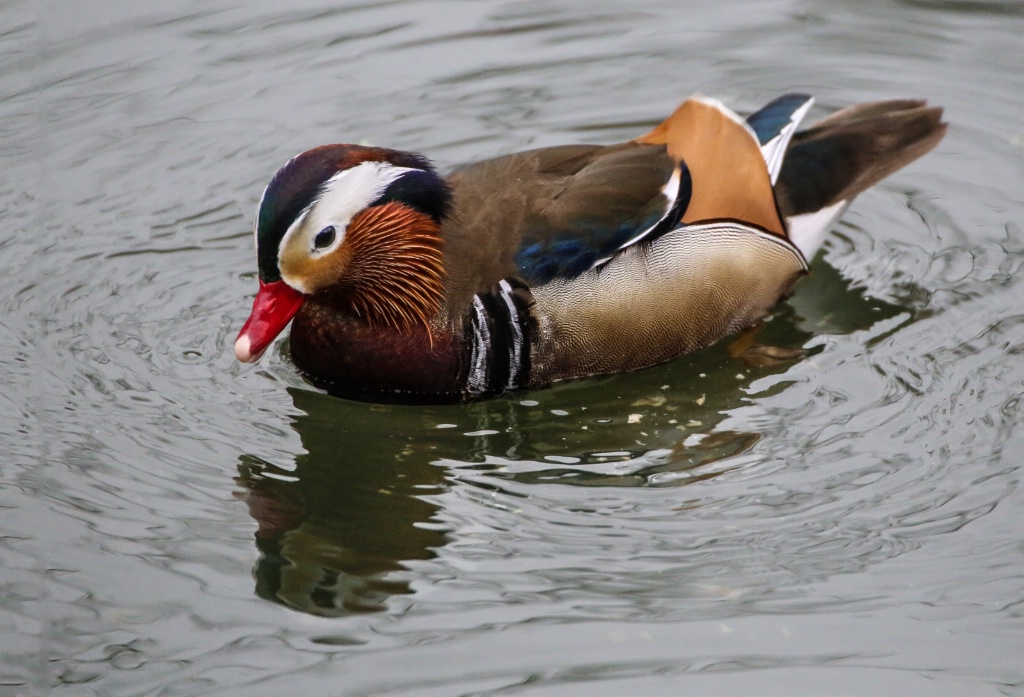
{"x":359,"y":222}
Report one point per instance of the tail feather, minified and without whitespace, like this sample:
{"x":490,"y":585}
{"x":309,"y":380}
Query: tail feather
{"x":853,"y":149}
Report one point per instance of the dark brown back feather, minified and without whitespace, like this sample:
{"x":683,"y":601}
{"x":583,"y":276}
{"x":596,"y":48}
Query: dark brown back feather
{"x":853,"y":149}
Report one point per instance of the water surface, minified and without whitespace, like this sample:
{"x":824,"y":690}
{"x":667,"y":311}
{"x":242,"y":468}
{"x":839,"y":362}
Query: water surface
{"x":174,"y":523}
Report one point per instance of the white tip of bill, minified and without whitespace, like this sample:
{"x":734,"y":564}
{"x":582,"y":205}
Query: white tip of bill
{"x":243,"y":350}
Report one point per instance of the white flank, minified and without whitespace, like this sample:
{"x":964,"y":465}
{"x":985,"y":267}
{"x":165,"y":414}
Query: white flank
{"x":808,"y":231}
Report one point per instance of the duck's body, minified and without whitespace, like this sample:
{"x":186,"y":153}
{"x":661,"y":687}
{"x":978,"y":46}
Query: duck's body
{"x":561,"y":262}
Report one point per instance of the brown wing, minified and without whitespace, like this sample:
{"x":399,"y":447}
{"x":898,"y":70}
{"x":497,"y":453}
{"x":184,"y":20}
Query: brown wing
{"x":550,"y":213}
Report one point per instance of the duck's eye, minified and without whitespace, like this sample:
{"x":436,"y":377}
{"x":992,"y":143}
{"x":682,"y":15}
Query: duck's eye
{"x":324,"y":238}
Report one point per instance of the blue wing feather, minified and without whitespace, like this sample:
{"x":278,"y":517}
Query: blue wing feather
{"x":594,"y":238}
{"x":774,"y":124}
{"x":567,"y":209}
{"x":773,"y":117}
{"x":572,"y":253}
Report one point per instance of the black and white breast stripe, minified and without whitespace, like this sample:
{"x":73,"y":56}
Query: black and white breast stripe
{"x":501,"y":325}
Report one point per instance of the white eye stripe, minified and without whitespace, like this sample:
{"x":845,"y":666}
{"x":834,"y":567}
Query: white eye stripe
{"x":341,"y":198}
{"x":350,"y":191}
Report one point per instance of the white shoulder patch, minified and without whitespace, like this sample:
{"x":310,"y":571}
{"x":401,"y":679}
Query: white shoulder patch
{"x":808,"y":231}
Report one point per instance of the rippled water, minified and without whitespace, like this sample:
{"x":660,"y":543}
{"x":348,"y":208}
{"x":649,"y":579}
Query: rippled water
{"x":175,"y":524}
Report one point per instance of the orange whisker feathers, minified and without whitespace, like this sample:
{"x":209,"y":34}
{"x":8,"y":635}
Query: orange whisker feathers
{"x":396,"y":273}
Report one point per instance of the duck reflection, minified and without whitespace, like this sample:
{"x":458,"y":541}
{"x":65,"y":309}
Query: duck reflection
{"x":338,"y":531}
{"x":334,"y":530}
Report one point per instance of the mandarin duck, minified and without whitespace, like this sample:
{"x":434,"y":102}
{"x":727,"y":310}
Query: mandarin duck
{"x":403,"y":285}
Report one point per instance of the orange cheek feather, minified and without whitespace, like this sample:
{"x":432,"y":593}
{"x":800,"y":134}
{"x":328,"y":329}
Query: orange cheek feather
{"x":275,"y":305}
